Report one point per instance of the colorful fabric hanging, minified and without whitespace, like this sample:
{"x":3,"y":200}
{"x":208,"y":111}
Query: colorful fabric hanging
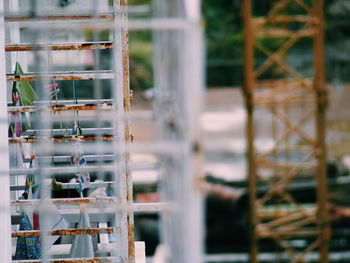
{"x":76,"y":129}
{"x":27,"y":247}
{"x":53,"y":89}
{"x":54,"y":219}
{"x":22,"y":95}
{"x":78,"y":159}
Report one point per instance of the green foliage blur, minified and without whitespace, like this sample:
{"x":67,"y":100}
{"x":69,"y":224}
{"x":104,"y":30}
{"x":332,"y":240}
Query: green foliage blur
{"x":224,"y":38}
{"x":223,"y":24}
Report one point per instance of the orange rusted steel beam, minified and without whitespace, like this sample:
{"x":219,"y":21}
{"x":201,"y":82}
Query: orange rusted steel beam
{"x":321,"y":148}
{"x":59,"y":17}
{"x":85,"y":138}
{"x":248,"y":90}
{"x":78,"y":75}
{"x":66,"y":232}
{"x":61,"y":107}
{"x":66,"y":201}
{"x":59,"y":46}
{"x":74,"y":260}
{"x":278,"y":97}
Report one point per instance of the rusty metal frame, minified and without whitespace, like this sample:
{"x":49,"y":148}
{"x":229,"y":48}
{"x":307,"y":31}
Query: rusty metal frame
{"x":185,"y":209}
{"x":78,"y":75}
{"x":278,"y":97}
{"x":60,"y":46}
{"x":67,"y":232}
{"x":119,"y":114}
{"x":89,"y":260}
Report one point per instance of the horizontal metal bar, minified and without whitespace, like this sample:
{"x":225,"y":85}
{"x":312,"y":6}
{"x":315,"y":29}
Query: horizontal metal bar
{"x":154,"y":147}
{"x":174,"y":23}
{"x":150,"y":207}
{"x":103,"y":115}
{"x":69,"y":102}
{"x":283,"y":33}
{"x":260,"y":21}
{"x":68,"y":132}
{"x":66,"y":158}
{"x":70,"y":186}
{"x":90,"y":168}
{"x":66,"y":201}
{"x":64,"y":75}
{"x":74,"y":260}
{"x":59,"y":17}
{"x":60,"y":107}
{"x":60,"y":46}
{"x":66,"y":138}
{"x":139,"y":208}
{"x":72,"y":214}
{"x":67,"y":232}
{"x":64,"y":170}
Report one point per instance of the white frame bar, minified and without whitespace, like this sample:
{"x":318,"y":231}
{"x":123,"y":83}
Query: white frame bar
{"x":5,"y":215}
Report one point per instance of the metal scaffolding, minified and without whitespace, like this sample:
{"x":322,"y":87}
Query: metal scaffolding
{"x":98,"y":128}
{"x":287,"y":108}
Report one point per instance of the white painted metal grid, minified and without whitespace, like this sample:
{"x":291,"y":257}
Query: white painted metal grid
{"x":178,"y":80}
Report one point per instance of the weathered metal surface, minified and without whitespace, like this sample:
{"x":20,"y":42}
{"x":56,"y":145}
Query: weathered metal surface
{"x":69,"y":186}
{"x":66,"y":232}
{"x":61,"y":107}
{"x":285,"y":93}
{"x":59,"y":47}
{"x":45,"y":118}
{"x":74,"y":260}
{"x":248,"y":89}
{"x":59,"y":17}
{"x":78,"y":75}
{"x":74,"y":201}
{"x":85,"y":138}
{"x":90,"y":168}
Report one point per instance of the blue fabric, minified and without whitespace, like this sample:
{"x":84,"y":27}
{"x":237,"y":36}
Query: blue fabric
{"x":27,"y":247}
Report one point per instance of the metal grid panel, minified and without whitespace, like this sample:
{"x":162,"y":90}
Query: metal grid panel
{"x":105,"y":125}
{"x":294,"y":104}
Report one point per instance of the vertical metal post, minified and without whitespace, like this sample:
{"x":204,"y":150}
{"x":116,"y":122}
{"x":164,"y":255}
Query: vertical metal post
{"x":122,"y":97}
{"x":321,"y":97}
{"x":127,"y":108}
{"x":248,"y":94}
{"x":178,"y":78}
{"x":193,"y":87}
{"x":5,"y":233}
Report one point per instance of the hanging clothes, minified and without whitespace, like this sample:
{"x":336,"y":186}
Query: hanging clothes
{"x":54,"y":219}
{"x":27,"y":247}
{"x":22,"y":95}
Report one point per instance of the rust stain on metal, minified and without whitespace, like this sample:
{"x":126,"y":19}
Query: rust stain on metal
{"x":60,"y":17}
{"x":67,"y":201}
{"x":59,"y":107}
{"x":279,"y":97}
{"x":85,"y":107}
{"x":65,"y":232}
{"x":54,"y":77}
{"x":22,"y":109}
{"x":86,"y":138}
{"x":81,"y":260}
{"x":123,"y":3}
{"x":131,"y":241}
{"x":60,"y":47}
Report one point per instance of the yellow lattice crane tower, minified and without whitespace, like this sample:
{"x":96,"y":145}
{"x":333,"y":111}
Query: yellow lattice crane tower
{"x":276,"y":90}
